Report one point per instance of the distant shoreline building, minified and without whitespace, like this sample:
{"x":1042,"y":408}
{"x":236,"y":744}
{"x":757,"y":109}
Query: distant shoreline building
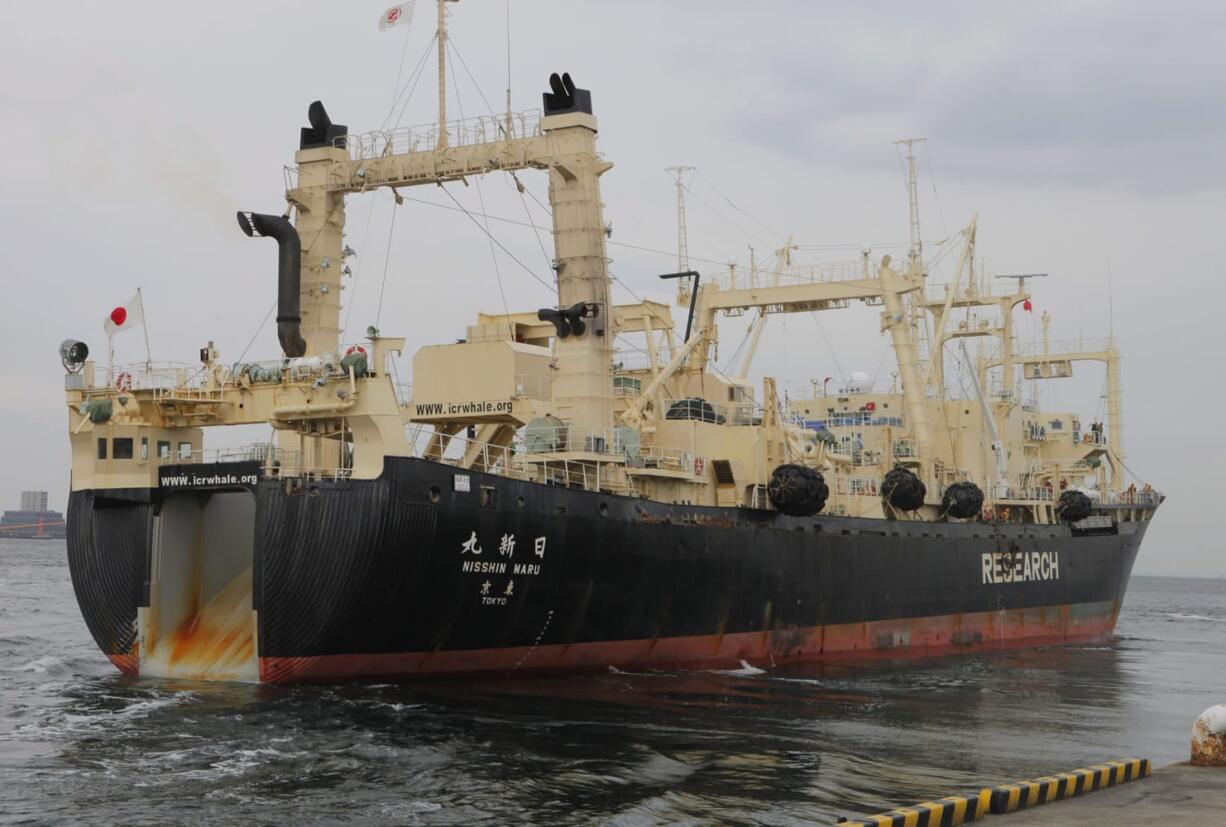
{"x":33,"y":500}
{"x":33,"y":520}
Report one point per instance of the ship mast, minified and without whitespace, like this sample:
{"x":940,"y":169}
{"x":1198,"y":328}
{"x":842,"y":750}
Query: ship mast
{"x":683,"y":252}
{"x":442,"y":72}
{"x":915,"y":253}
{"x":899,"y":317}
{"x":332,"y":165}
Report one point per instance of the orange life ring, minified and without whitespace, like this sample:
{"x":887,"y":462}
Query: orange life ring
{"x":355,"y":348}
{"x":123,"y":381}
{"x":699,"y":466}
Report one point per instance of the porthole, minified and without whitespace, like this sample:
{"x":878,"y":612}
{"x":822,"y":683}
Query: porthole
{"x":436,"y":493}
{"x":603,"y":509}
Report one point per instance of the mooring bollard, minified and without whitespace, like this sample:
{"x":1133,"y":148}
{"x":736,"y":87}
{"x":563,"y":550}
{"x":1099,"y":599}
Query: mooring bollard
{"x":1209,"y":738}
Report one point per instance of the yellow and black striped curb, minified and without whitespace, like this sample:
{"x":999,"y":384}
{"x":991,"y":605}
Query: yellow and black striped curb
{"x":1007,"y":798}
{"x":945,"y":812}
{"x":1010,"y":797}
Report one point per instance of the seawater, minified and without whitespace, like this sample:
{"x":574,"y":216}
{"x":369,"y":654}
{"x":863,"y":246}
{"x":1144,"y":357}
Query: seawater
{"x":81,"y":744}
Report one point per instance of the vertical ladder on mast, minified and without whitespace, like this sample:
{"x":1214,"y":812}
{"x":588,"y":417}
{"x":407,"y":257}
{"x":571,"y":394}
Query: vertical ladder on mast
{"x":678,"y":174}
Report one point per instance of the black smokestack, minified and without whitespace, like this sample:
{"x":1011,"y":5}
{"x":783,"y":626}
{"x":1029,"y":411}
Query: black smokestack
{"x":289,"y":261}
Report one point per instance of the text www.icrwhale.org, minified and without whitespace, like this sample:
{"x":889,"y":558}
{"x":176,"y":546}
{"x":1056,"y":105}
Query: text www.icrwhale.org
{"x":185,"y":480}
{"x":443,"y":408}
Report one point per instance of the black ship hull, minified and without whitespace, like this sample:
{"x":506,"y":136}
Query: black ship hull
{"x":431,"y":570}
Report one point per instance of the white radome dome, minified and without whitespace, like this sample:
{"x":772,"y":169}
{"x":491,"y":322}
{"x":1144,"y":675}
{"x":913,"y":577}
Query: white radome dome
{"x":859,"y":382}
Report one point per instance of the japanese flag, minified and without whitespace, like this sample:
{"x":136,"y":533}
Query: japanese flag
{"x":125,"y":316}
{"x":400,"y":15}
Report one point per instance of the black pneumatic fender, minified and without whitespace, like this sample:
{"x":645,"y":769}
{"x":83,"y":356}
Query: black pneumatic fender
{"x":962,"y":500}
{"x":1073,"y":506}
{"x":797,"y":490}
{"x":694,"y":408}
{"x":903,"y":490}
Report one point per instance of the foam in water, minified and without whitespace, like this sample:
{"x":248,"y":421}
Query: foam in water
{"x":1188,"y":616}
{"x":746,"y":670}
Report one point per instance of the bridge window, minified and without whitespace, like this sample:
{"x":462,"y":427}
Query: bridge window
{"x":122,"y":447}
{"x":163,"y":449}
{"x":185,"y":450}
{"x":102,"y":448}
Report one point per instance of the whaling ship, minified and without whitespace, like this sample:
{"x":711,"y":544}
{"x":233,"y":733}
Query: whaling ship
{"x":535,"y":501}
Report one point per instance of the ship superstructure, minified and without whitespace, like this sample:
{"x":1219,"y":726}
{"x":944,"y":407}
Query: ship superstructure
{"x":537,"y":500}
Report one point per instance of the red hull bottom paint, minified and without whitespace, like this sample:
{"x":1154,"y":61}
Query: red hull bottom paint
{"x":126,"y":664}
{"x":903,"y":637}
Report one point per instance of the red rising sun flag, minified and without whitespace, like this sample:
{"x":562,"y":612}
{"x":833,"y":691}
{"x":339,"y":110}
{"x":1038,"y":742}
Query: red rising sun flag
{"x":125,"y":316}
{"x":400,"y":15}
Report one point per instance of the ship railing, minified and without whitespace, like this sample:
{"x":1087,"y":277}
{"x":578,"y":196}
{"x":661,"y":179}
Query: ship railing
{"x":627,"y":387}
{"x":169,"y":379}
{"x":1083,"y":466}
{"x":740,"y":413}
{"x":938,"y":292}
{"x":1146,"y":499}
{"x":482,"y":129}
{"x":870,"y":457}
{"x":739,"y":278}
{"x":1028,"y":493}
{"x":841,"y":484}
{"x":1050,"y":431}
{"x":1044,"y":493}
{"x":622,"y":446}
{"x":404,"y":393}
{"x":759,"y":499}
{"x":1032,"y":350}
{"x":282,"y":464}
{"x":533,"y":386}
{"x":996,"y":391}
{"x":255,"y":452}
{"x":625,"y":444}
{"x":510,"y":461}
{"x":717,"y":413}
{"x":854,"y":419}
{"x":633,"y":359}
{"x":146,"y":375}
{"x":946,"y":477}
{"x":274,"y":462}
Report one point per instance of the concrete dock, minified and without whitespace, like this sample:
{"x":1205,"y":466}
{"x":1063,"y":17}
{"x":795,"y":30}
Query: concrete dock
{"x":1118,"y":793}
{"x":1177,"y":794}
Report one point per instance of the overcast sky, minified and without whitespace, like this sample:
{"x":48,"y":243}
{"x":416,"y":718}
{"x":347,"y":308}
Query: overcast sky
{"x":1089,"y":136}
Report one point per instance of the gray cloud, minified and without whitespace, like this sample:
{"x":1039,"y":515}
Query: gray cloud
{"x":1126,"y":95}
